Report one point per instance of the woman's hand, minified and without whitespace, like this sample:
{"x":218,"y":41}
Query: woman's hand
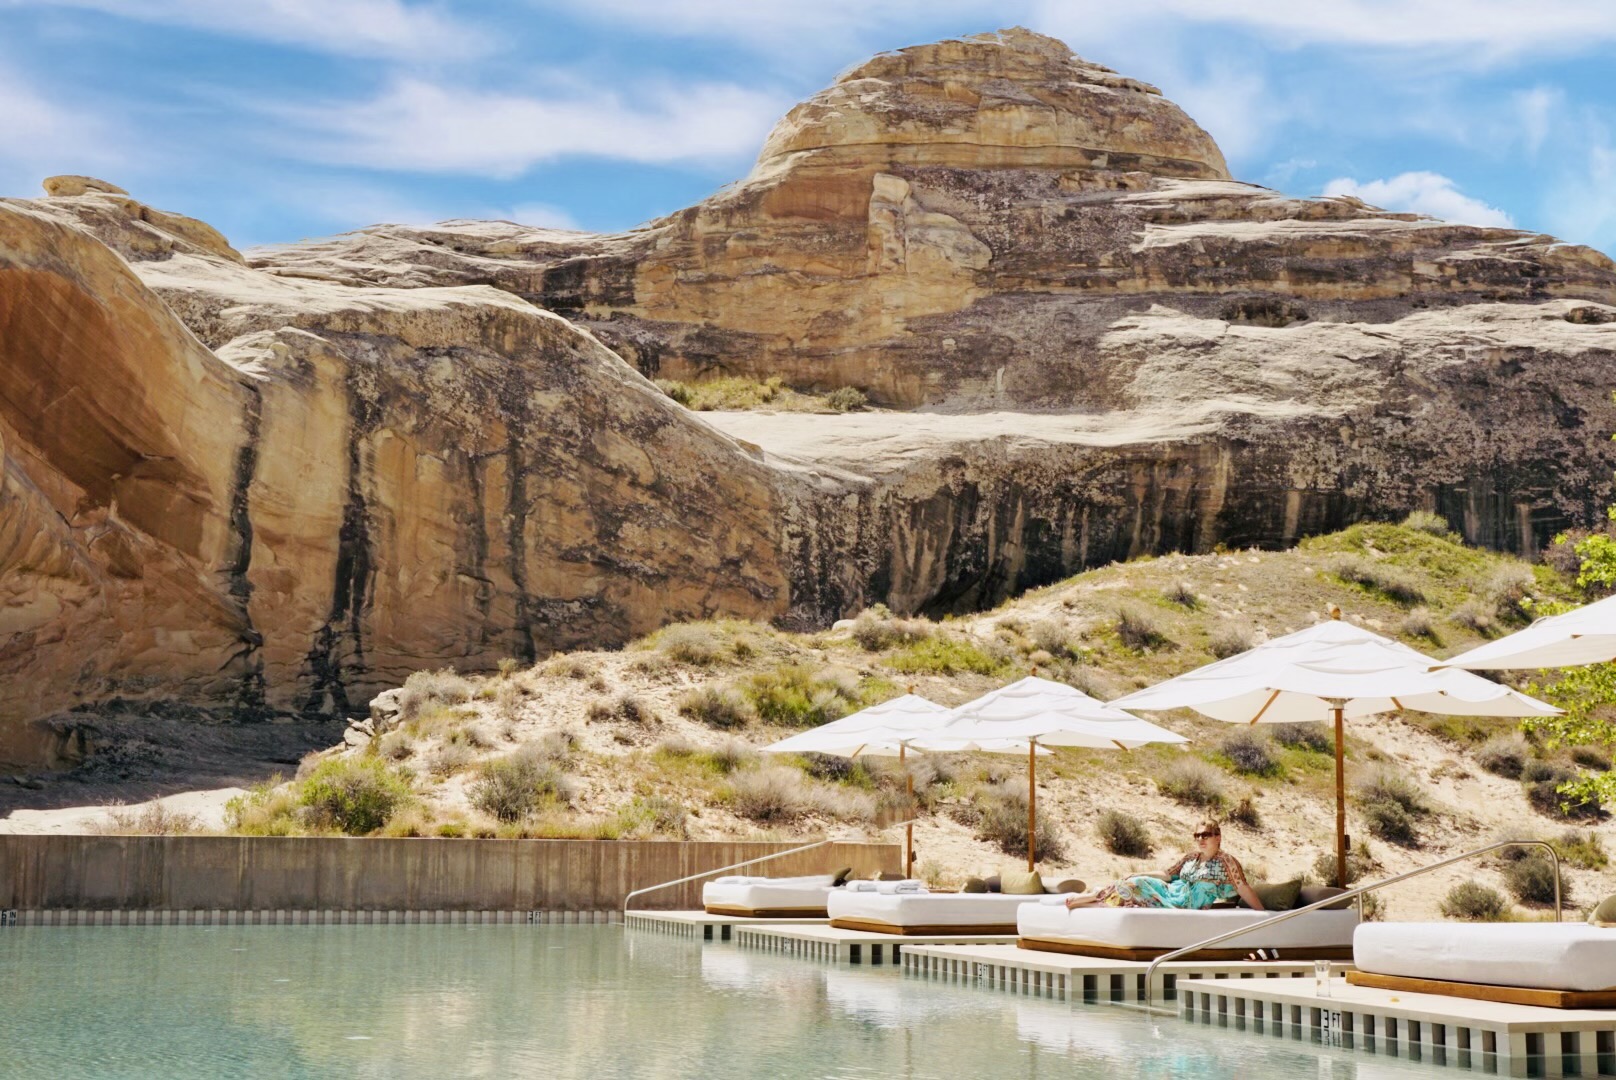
{"x":1249,"y":895}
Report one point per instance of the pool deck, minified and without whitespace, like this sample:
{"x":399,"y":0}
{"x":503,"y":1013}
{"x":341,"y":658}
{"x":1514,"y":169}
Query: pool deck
{"x":1420,"y":1027}
{"x":1062,"y":975}
{"x":700,"y":924}
{"x":850,"y":946}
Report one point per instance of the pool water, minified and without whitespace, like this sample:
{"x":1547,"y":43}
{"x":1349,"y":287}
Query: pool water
{"x":558,"y":1002}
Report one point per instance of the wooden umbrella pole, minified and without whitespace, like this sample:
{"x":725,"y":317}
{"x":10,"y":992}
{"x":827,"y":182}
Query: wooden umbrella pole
{"x":1032,"y":805}
{"x":1340,"y":797}
{"x":909,"y":829}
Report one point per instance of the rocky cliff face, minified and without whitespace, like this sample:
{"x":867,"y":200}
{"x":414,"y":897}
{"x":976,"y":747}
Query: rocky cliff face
{"x":274,"y":483}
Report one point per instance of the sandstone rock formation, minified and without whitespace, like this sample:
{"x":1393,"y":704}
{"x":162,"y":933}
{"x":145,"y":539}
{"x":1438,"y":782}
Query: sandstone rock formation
{"x":275,"y":484}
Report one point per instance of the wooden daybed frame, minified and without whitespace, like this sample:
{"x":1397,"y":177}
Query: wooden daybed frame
{"x":739,"y":912}
{"x":1510,"y":995}
{"x":876,"y":926}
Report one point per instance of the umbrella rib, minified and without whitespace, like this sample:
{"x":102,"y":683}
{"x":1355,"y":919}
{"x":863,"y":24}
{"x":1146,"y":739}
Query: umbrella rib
{"x":1119,"y":746}
{"x":1399,"y":704}
{"x":1264,"y":708}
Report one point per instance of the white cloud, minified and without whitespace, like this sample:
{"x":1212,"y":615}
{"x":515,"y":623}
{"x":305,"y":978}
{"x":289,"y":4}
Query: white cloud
{"x":422,"y":126}
{"x":45,"y":138}
{"x":1423,"y":193}
{"x":1581,"y":205}
{"x":1234,"y":106}
{"x":375,"y":28}
{"x":1536,"y":110}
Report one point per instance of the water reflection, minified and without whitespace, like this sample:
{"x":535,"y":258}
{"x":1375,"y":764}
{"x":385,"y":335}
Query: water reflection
{"x":558,"y":1002}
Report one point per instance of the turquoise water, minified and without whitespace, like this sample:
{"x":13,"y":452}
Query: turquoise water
{"x":558,"y":1002}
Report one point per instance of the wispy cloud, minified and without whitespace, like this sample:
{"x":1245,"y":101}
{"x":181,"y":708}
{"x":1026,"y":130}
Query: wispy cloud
{"x":369,"y":28}
{"x":44,"y":137}
{"x":1581,"y":204}
{"x":421,"y":126}
{"x":1422,"y":193}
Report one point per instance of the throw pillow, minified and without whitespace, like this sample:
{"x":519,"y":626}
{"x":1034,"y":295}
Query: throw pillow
{"x":1020,"y":882}
{"x":1070,"y":885}
{"x":1312,"y":894}
{"x":841,"y":877}
{"x":1604,"y":914}
{"x":993,"y":883}
{"x":974,"y":884}
{"x":1276,"y":897}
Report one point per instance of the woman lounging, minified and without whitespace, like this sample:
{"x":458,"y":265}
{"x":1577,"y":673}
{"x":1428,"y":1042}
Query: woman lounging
{"x":1200,"y":879}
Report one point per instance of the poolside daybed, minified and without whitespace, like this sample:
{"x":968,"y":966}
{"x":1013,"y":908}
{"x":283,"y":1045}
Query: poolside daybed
{"x":1117,"y":933}
{"x":1557,"y":965}
{"x":768,"y":898}
{"x":915,"y":911}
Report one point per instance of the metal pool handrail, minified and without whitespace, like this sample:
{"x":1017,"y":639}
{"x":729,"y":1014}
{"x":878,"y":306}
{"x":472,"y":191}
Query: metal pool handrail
{"x":1350,"y":894}
{"x":736,"y":866}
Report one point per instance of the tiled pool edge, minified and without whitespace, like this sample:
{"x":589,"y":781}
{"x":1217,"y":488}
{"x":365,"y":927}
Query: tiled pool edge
{"x":203,"y":917}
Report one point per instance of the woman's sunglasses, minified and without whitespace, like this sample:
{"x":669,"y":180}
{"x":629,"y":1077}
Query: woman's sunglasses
{"x":1206,"y":835}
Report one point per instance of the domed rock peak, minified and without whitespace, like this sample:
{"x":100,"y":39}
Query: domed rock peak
{"x":1007,"y":99}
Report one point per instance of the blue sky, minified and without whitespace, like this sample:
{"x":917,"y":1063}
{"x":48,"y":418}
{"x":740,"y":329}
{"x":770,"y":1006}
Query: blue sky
{"x":281,"y":119}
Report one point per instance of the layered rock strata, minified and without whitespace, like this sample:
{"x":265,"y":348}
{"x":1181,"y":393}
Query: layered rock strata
{"x":272,"y":484}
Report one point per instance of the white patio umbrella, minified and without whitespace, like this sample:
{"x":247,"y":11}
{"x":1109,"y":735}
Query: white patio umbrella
{"x":1586,"y":635}
{"x":1043,"y":713}
{"x":885,"y":730}
{"x":1328,"y":672}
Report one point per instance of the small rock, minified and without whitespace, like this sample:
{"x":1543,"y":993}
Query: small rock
{"x":385,"y":710}
{"x":355,"y":738}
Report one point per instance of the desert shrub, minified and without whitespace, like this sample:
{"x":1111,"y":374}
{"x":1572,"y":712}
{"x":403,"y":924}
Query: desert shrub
{"x":1001,"y":820}
{"x":1531,"y":879}
{"x":837,"y":769}
{"x":1192,"y":782}
{"x":449,"y":758}
{"x":776,"y":794}
{"x":265,"y":809}
{"x":1419,"y":624}
{"x":397,"y":745}
{"x":153,"y":819}
{"x":1475,"y":902}
{"x":1245,"y":813}
{"x":1139,"y":629}
{"x":513,"y":787}
{"x":949,"y":655}
{"x":1591,"y":758}
{"x":1052,"y":637}
{"x":1123,"y":834}
{"x":1375,"y":907}
{"x":653,"y":815}
{"x":845,"y":804}
{"x":1509,"y":591}
{"x":721,"y":707}
{"x":730,"y":755}
{"x":568,"y":667}
{"x":1360,"y":863}
{"x":846,"y":399}
{"x":1477,"y":616}
{"x":1315,"y":738}
{"x":799,"y":696}
{"x":1250,"y":752}
{"x":1183,"y":594}
{"x":1427,"y":522}
{"x":425,"y":689}
{"x":678,"y":391}
{"x":1393,"y":805}
{"x":1581,"y":849}
{"x":1229,"y":640}
{"x":633,"y":710}
{"x":1388,"y":581}
{"x":598,"y":712}
{"x":554,"y":746}
{"x":355,"y":795}
{"x":877,"y":629}
{"x":1505,"y":755}
{"x":508,"y":702}
{"x":703,"y":644}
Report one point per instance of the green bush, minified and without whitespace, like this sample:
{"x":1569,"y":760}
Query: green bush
{"x":1426,"y":522}
{"x":1245,"y":813}
{"x":1183,"y":594}
{"x":1052,"y":636}
{"x":1591,"y":758}
{"x":1360,"y":863}
{"x":1393,"y":805}
{"x":653,"y":815}
{"x":1192,"y":782}
{"x":354,"y":795}
{"x":1581,"y":849}
{"x":425,"y":690}
{"x":1475,"y":902}
{"x":1123,"y":834}
{"x":1388,"y":581}
{"x":1139,"y":629}
{"x":774,"y":795}
{"x":1250,"y":752}
{"x":1001,"y":820}
{"x":846,"y":399}
{"x":1229,"y":640}
{"x":1419,"y":624}
{"x":721,"y":707}
{"x":945,"y":656}
{"x":1531,"y":879}
{"x":1315,"y":738}
{"x":1542,"y":782}
{"x":1509,"y":591}
{"x":799,"y":696}
{"x":877,"y":630}
{"x":513,"y":787}
{"x":1477,"y":616}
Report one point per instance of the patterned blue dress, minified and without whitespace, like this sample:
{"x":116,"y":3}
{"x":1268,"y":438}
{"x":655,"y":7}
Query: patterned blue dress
{"x":1192,"y":882}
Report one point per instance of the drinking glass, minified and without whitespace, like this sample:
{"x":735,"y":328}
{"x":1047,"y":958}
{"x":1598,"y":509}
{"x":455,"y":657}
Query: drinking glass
{"x":1321,"y":978}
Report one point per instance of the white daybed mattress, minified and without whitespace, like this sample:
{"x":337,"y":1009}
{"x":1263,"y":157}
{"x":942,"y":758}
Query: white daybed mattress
{"x":1165,"y":928}
{"x":1540,"y":956}
{"x":805,"y":895}
{"x":928,"y":909}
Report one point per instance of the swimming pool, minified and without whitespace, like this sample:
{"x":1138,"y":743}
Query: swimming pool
{"x":559,"y":1002}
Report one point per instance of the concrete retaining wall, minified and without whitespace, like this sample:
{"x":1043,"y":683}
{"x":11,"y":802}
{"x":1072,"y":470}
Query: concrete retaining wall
{"x":254,"y":873}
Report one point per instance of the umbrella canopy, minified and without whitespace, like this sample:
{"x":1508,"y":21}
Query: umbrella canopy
{"x":1040,"y":711}
{"x":886,"y":730}
{"x":1327,"y":672}
{"x":1586,"y":635}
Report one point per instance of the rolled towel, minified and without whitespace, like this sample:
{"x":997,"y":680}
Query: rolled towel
{"x":861,"y":886}
{"x":893,"y":888}
{"x":731,"y":879}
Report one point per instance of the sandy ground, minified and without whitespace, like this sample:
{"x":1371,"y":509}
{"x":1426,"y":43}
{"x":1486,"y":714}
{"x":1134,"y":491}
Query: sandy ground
{"x":206,"y":808}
